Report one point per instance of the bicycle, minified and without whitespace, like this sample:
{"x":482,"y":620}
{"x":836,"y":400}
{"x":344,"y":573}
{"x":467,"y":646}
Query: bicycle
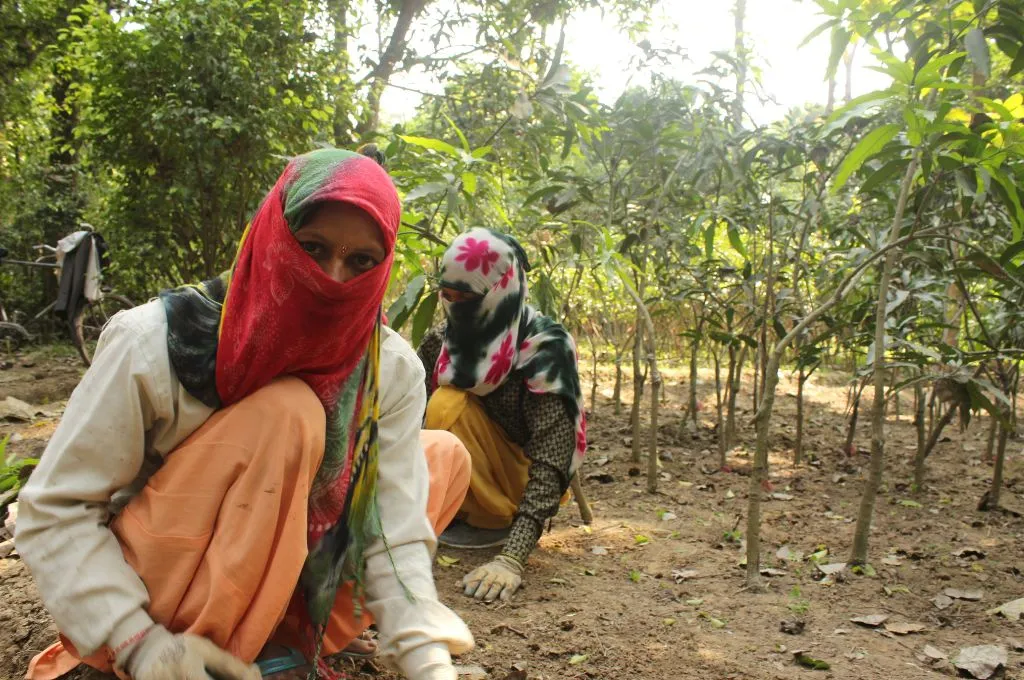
{"x":87,"y":322}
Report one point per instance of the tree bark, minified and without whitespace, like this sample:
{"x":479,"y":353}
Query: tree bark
{"x":380,"y":76}
{"x":638,"y":388}
{"x":997,"y":473}
{"x":924,"y":451}
{"x":739,"y":15}
{"x":719,"y":421}
{"x":798,"y":453}
{"x":862,"y":532}
{"x":340,"y":126}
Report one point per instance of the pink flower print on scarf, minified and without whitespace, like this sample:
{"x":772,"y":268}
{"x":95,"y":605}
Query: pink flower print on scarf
{"x":443,"y":362}
{"x":506,"y":278}
{"x":477,"y":253}
{"x":501,"y":362}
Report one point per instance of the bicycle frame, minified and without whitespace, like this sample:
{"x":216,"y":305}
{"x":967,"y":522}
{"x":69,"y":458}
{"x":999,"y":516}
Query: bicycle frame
{"x":37,"y":264}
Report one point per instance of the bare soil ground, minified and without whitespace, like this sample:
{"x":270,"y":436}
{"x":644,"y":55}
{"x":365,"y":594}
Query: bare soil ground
{"x":603,"y":601}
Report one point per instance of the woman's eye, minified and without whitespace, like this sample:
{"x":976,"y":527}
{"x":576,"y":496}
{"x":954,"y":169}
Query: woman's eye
{"x":313,"y":248}
{"x":363,"y":262}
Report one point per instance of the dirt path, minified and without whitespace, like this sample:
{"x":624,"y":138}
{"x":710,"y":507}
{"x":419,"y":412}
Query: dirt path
{"x":602,"y":602}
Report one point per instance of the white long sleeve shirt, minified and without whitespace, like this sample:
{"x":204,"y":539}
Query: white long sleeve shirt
{"x":123,"y":419}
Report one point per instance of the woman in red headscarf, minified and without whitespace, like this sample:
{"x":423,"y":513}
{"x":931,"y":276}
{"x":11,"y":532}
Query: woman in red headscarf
{"x":241,"y":475}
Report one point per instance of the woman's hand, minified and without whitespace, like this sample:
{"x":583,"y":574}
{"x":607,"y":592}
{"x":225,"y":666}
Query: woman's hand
{"x":501,"y":577}
{"x":161,"y":655}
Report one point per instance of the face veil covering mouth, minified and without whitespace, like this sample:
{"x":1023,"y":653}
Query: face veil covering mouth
{"x":488,"y":338}
{"x":275,"y":313}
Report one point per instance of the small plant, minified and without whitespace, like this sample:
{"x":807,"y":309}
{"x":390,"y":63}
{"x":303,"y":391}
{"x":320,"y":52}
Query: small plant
{"x":634,"y":575}
{"x":13,"y":473}
{"x":732,"y":536}
{"x":797,"y":604}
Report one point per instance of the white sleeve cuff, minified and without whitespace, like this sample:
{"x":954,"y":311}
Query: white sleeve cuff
{"x":428,"y":662}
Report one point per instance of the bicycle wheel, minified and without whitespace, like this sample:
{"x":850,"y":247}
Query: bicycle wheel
{"x":91,"y":319}
{"x":12,"y":337}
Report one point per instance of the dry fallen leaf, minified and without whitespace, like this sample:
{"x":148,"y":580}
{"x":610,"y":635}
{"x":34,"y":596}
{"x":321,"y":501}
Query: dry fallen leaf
{"x":871,"y":620}
{"x":957,"y":594}
{"x":768,"y":571}
{"x":942,"y":602}
{"x":680,"y":575}
{"x":473,"y":672}
{"x":934,"y":654}
{"x":1011,"y":610}
{"x":834,"y":568}
{"x":577,"y":659}
{"x":980,"y":662}
{"x":788,"y":554}
{"x":599,"y":550}
{"x":905,"y":628}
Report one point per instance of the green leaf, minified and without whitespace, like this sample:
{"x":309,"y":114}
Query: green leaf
{"x":709,"y":239}
{"x":480,"y":152}
{"x":856,"y":108}
{"x":400,"y":309}
{"x":432,"y":144}
{"x":840,"y":41}
{"x":883,"y":174}
{"x":736,"y":241}
{"x":462,"y":137}
{"x":577,"y":659}
{"x":1018,"y":64}
{"x":811,"y":663}
{"x":426,"y":189}
{"x":423,"y":318}
{"x":1008,"y":256}
{"x":871,"y":144}
{"x":469,"y":183}
{"x":818,"y":31}
{"x":977,"y":47}
{"x":1013,"y":203}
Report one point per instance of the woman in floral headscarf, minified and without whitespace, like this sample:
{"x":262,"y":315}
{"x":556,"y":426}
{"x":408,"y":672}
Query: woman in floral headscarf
{"x":502,"y":378}
{"x":242,"y":468}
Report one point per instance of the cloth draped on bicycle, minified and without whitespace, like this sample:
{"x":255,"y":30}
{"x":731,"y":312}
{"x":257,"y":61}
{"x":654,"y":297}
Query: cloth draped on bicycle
{"x":81,"y":257}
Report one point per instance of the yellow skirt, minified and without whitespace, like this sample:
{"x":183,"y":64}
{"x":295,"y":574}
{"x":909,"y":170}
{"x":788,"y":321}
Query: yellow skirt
{"x":499,"y":468}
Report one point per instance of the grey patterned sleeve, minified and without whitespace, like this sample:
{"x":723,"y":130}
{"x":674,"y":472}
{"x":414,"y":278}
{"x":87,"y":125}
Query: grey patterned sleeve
{"x":430,"y":349}
{"x":550,"y":449}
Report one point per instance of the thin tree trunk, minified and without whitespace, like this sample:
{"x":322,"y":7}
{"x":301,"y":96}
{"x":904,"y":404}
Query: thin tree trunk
{"x":343,"y":90}
{"x":862,"y":532}
{"x":798,"y":454}
{"x":381,"y":74}
{"x":638,"y":389}
{"x":851,"y":428}
{"x":739,"y":14}
{"x":919,"y":425}
{"x":990,"y":445}
{"x":763,"y":417}
{"x":997,"y":473}
{"x":929,"y":446}
{"x":593,"y":383}
{"x":759,"y":474}
{"x":719,"y":424}
{"x":618,"y":383}
{"x":652,"y":448}
{"x":694,"y":348}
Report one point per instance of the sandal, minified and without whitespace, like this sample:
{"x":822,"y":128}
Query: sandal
{"x":289,"y":661}
{"x":293,"y":659}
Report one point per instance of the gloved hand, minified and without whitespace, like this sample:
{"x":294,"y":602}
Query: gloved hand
{"x":500,"y":577}
{"x":161,"y":655}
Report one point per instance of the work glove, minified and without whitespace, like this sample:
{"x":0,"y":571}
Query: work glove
{"x":161,"y":655}
{"x":500,"y":577}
